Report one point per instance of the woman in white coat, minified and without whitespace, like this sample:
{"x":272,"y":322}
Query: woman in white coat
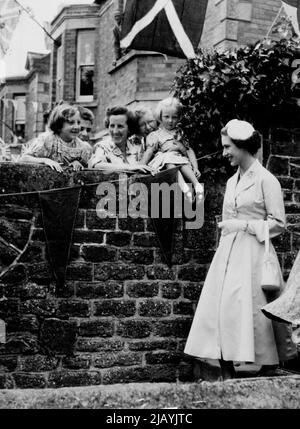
{"x":228,"y":324}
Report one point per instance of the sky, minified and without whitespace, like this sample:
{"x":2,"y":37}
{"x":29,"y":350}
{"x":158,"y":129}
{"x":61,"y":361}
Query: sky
{"x":28,"y":36}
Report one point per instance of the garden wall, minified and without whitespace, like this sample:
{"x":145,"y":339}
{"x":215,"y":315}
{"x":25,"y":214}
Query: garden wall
{"x":123,"y":315}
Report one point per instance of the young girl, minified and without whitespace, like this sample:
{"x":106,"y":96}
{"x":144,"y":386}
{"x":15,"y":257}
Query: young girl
{"x":60,"y":146}
{"x":169,"y":150}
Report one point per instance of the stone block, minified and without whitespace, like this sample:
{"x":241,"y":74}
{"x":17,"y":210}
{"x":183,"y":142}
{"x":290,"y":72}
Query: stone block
{"x":295,"y":171}
{"x":106,"y":360}
{"x":39,"y":307}
{"x":6,"y":381}
{"x":192,"y":291}
{"x":109,"y":289}
{"x":73,"y":308}
{"x":83,"y":236}
{"x":171,"y":290}
{"x":159,"y":357}
{"x":96,"y":328}
{"x":117,"y":238}
{"x":137,"y":256}
{"x":182,"y":307}
{"x":99,"y":253}
{"x":146,"y":239}
{"x":279,"y":166}
{"x":40,"y":273}
{"x":67,"y":378}
{"x":26,"y":291}
{"x":30,"y":381}
{"x":92,"y":345}
{"x":105,"y":272}
{"x":118,"y":308}
{"x":142,"y":289}
{"x":38,"y":363}
{"x":157,"y":373}
{"x":132,"y":225}
{"x":176,"y":327}
{"x":22,"y":323}
{"x":160,"y":272}
{"x":154,"y":308}
{"x":80,"y":361}
{"x":59,"y":335}
{"x":20,"y":343}
{"x":9,"y":363}
{"x":134,"y":329}
{"x":80,"y":271}
{"x":193,"y":272}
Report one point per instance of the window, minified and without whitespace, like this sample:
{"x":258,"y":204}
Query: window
{"x":20,"y":115}
{"x":85,"y":65}
{"x":59,"y":74}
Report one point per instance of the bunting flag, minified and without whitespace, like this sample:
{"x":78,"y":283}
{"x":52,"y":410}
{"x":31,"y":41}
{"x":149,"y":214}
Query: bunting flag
{"x":9,"y":17}
{"x":163,"y":227}
{"x":59,"y":211}
{"x":172,"y":27}
{"x":292,"y":9}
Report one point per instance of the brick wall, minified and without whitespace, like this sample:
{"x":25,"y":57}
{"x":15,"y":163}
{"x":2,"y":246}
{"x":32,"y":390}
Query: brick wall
{"x":69,"y":55}
{"x":231,"y":23}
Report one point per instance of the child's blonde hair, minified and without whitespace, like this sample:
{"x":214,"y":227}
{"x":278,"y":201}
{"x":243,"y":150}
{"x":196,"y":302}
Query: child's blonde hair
{"x":169,"y":102}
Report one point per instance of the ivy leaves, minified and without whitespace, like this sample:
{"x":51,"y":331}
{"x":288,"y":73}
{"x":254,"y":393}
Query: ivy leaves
{"x":252,"y":83}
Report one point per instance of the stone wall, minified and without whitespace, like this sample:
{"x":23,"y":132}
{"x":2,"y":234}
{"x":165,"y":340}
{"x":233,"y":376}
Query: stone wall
{"x":124,"y":315}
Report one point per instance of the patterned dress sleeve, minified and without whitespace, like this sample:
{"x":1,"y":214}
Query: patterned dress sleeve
{"x":41,"y":147}
{"x":152,"y":141}
{"x":86,"y":152}
{"x":99,"y":155}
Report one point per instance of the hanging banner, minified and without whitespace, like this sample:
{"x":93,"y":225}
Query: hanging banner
{"x":59,"y":211}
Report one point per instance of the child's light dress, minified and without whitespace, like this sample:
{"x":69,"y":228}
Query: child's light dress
{"x":158,"y":141}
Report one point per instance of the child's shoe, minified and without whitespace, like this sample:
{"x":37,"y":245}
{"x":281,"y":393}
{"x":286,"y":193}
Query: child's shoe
{"x":199,"y":191}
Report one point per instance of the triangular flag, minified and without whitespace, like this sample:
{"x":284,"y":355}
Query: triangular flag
{"x":9,"y":18}
{"x":292,"y":9}
{"x":172,"y":27}
{"x":59,"y":211}
{"x":164,"y":227}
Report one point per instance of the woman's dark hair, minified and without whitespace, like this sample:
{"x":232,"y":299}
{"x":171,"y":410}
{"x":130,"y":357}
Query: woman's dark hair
{"x":251,"y":145}
{"x":122,"y":110}
{"x":59,"y":115}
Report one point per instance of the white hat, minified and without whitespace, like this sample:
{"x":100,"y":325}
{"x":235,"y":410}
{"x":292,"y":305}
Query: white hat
{"x":239,"y":130}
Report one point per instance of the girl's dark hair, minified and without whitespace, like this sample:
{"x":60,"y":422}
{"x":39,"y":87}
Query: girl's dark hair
{"x":59,"y":115}
{"x":251,"y":145}
{"x":122,"y":110}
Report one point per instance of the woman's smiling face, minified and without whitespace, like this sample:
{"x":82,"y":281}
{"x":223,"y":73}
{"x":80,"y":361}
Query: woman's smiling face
{"x":118,"y":129}
{"x":230,"y":151}
{"x":71,"y":128}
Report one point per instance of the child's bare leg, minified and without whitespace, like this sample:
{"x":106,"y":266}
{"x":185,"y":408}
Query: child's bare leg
{"x":189,"y":175}
{"x":168,"y":166}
